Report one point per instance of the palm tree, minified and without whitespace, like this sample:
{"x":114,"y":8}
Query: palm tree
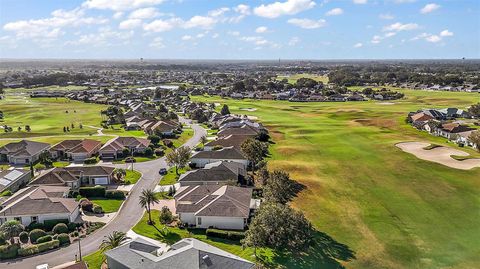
{"x":113,"y":240}
{"x":147,"y":198}
{"x":10,"y":229}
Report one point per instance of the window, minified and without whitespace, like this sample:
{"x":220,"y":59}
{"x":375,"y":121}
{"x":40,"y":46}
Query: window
{"x":199,"y":221}
{"x":34,"y":218}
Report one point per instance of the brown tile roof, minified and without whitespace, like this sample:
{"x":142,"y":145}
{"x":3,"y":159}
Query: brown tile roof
{"x":119,"y":143}
{"x":24,"y":148}
{"x":39,"y":200}
{"x":455,"y":127}
{"x":207,"y":200}
{"x":229,"y":141}
{"x":421,"y":117}
{"x":78,"y":146}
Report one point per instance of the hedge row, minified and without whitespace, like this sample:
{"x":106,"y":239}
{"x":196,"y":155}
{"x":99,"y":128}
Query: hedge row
{"x":115,"y":194}
{"x":97,"y":191}
{"x":43,"y":239}
{"x":49,"y":224}
{"x":48,"y":245}
{"x":8,"y":251}
{"x":230,"y":235}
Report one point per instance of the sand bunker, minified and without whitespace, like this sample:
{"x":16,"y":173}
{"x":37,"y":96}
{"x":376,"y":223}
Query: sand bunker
{"x":252,"y":118}
{"x":386,"y":103}
{"x":441,"y":155}
{"x":249,"y":109}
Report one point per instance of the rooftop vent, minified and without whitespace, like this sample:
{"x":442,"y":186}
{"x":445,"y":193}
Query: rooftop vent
{"x":207,"y":261}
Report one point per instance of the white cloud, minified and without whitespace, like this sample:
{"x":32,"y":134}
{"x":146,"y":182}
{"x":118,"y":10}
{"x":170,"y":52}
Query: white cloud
{"x":215,"y":35}
{"x":446,"y":33}
{"x":401,"y":27}
{"x":218,"y":12}
{"x":277,"y":9}
{"x":242,"y":9}
{"x":104,"y":37}
{"x":187,"y":37}
{"x":200,"y":22}
{"x":144,"y":13}
{"x":162,"y":25}
{"x":293,"y":41}
{"x":429,"y":8}
{"x":118,"y":15}
{"x":358,"y":45}
{"x":386,"y":16}
{"x":261,"y":29}
{"x":433,"y":38}
{"x":50,"y":27}
{"x":307,"y":23}
{"x":130,"y":24}
{"x":119,"y":5}
{"x":359,"y":2}
{"x":259,"y":41}
{"x":334,"y":12}
{"x":157,"y":43}
{"x":404,"y":1}
{"x":390,"y":34}
{"x":376,"y":39}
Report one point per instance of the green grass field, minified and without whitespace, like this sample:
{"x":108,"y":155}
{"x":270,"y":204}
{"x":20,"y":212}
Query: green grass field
{"x":393,"y":209}
{"x":108,"y":205}
{"x":132,"y":176}
{"x":171,"y":176}
{"x":293,"y":78}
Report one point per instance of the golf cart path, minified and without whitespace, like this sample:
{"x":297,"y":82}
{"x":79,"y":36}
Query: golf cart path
{"x":129,"y":214}
{"x":441,"y":155}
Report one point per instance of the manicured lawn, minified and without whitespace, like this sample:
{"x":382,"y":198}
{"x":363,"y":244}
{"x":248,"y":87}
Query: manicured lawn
{"x":171,"y":235}
{"x":108,"y":205}
{"x":171,"y":177}
{"x":293,"y":78}
{"x":60,"y":164}
{"x":393,"y":209}
{"x":94,"y":260}
{"x":132,"y":176}
{"x":186,"y":134}
{"x":139,"y":159}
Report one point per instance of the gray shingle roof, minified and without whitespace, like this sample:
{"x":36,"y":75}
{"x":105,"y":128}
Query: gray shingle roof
{"x":222,"y":154}
{"x":188,"y":253}
{"x":215,"y":172}
{"x":24,"y":148}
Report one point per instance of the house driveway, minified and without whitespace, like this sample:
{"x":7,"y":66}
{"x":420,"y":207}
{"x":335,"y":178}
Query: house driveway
{"x":168,"y":203}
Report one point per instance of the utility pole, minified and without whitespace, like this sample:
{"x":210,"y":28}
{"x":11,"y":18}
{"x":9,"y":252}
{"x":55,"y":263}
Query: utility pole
{"x":79,"y":249}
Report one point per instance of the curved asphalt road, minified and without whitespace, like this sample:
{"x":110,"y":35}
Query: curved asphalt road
{"x":127,"y":217}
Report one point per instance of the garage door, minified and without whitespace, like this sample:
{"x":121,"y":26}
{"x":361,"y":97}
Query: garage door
{"x":101,"y":180}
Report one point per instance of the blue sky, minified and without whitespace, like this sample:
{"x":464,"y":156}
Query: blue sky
{"x":221,"y":29}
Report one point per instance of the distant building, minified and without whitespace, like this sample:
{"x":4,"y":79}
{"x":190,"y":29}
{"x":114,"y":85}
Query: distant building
{"x":23,"y":152}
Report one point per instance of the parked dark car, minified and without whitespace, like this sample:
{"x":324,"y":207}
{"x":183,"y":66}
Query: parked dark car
{"x":163,"y":171}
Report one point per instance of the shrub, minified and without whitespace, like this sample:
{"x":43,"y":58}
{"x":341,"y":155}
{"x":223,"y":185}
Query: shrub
{"x":49,"y":224}
{"x":39,"y":166}
{"x":71,"y":226}
{"x":115,"y":194}
{"x":97,"y":209}
{"x":74,"y":234}
{"x":43,"y":239}
{"x":78,"y":198}
{"x":230,"y":235}
{"x":86,"y":205}
{"x":8,"y":251}
{"x":36,"y":234}
{"x":23,"y":237}
{"x":48,"y":245}
{"x":28,"y":250}
{"x":217,"y":147}
{"x":97,"y":191}
{"x":35,"y":225}
{"x":148,"y":151}
{"x":6,"y":193}
{"x":60,"y":228}
{"x":64,"y":239}
{"x":2,"y":240}
{"x":159,"y":152}
{"x":168,"y":143}
{"x":92,"y":160}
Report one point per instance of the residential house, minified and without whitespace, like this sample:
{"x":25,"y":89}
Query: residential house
{"x":222,"y":207}
{"x":113,"y":149}
{"x":244,"y":130}
{"x":202,"y":158}
{"x":75,"y":176}
{"x":14,"y":179}
{"x":76,"y":150}
{"x":188,"y":253}
{"x":38,"y":204}
{"x":452,"y":130}
{"x":163,"y":128}
{"x":234,"y":141}
{"x":215,"y":173}
{"x":23,"y":152}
